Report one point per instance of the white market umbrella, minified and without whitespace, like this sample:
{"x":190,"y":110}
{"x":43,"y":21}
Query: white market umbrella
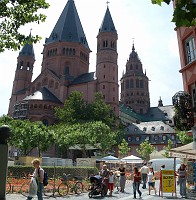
{"x":110,"y":159}
{"x":132,"y":159}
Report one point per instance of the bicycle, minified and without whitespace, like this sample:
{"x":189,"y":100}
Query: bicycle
{"x":66,"y":186}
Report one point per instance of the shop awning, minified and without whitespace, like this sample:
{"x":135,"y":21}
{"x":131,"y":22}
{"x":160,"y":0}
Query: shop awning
{"x":185,"y":151}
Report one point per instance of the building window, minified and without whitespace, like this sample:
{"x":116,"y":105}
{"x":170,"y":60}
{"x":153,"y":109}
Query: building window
{"x":190,"y":49}
{"x":127,"y":84}
{"x":144,"y":129}
{"x":137,"y":138}
{"x":173,"y":137}
{"x":156,"y":137}
{"x":129,"y":139}
{"x":148,"y":137}
{"x":103,"y":86}
{"x":137,"y":83}
{"x":162,"y":128}
{"x":131,"y":66}
{"x":153,"y":128}
{"x":131,"y":83}
{"x":164,"y":137}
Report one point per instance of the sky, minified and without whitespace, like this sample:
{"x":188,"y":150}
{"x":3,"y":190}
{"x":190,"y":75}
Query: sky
{"x":148,"y":25}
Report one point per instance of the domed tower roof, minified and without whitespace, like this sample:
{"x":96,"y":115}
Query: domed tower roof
{"x":133,"y":54}
{"x":68,"y":27}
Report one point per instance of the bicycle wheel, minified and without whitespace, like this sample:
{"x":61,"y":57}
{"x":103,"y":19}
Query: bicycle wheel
{"x":24,"y":190}
{"x":8,"y":187}
{"x":78,"y":187}
{"x":63,"y":189}
{"x":49,"y":190}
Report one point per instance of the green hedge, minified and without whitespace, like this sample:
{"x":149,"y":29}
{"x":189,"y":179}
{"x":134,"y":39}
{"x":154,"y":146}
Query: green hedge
{"x":83,"y":172}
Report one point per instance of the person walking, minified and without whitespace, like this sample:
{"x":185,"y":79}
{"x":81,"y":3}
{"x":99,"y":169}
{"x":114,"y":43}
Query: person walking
{"x":136,"y":182}
{"x":104,"y":173}
{"x":38,"y":174}
{"x":144,"y":172}
{"x":151,"y":181}
{"x":122,"y":171}
{"x":182,"y":176}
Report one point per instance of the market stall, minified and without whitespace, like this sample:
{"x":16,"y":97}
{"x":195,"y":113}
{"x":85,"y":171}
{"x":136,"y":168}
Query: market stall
{"x":188,"y":153}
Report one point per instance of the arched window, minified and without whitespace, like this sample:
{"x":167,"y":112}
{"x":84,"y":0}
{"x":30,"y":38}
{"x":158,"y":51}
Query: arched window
{"x":131,"y":83}
{"x":127,"y":84}
{"x":137,"y":83}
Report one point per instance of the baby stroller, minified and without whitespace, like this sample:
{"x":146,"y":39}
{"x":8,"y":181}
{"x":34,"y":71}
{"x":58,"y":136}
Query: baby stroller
{"x":97,"y":187}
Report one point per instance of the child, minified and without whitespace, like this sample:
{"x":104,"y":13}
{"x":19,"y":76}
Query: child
{"x":111,"y":182}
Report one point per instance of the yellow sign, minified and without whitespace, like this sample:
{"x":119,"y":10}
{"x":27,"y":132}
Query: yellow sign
{"x":168,"y":181}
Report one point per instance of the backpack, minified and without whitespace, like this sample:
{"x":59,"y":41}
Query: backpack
{"x":45,"y":180}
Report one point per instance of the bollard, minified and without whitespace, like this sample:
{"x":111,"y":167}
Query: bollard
{"x":4,"y":135}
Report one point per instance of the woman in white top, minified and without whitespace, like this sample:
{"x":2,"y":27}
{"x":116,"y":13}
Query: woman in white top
{"x":151,"y":180}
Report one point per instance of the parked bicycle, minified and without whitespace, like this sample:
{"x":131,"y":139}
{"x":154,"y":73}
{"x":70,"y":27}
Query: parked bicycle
{"x":67,"y":185}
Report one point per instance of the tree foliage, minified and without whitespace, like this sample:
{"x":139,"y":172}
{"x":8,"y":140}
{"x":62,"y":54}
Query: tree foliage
{"x":81,"y":135}
{"x":168,"y":148}
{"x":123,"y":148}
{"x":26,"y":135}
{"x":184,"y":12}
{"x":183,"y":137}
{"x":77,"y":110}
{"x":145,"y":149}
{"x":15,"y":14}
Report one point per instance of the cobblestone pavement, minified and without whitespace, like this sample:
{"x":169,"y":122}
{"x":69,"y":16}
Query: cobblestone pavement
{"x":116,"y":195}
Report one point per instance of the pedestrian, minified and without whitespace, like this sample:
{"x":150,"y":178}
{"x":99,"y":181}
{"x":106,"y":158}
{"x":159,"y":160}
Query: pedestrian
{"x":144,"y":172}
{"x":136,"y":182}
{"x":111,"y":182}
{"x":104,"y":173}
{"x":38,"y":174}
{"x":182,"y":176}
{"x":122,"y":171}
{"x":151,"y":181}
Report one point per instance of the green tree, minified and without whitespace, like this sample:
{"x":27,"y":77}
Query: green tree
{"x":96,"y":134}
{"x":123,"y":148}
{"x":28,"y":135}
{"x":145,"y":149}
{"x":183,"y":137}
{"x":74,"y":110}
{"x":168,"y":148}
{"x":100,"y":111}
{"x":184,"y":12}
{"x":14,"y":14}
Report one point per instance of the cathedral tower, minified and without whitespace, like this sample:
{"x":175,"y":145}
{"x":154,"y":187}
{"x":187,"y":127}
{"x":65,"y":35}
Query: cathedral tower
{"x":134,"y":85}
{"x":106,"y":64}
{"x":23,"y":75}
{"x":66,"y":51}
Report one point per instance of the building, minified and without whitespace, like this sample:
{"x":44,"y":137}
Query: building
{"x":65,"y":68}
{"x":187,"y":50}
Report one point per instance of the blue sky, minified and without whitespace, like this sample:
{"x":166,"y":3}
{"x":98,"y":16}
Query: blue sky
{"x":150,"y":25}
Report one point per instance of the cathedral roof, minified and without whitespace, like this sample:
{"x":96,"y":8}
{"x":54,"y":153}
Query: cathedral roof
{"x":84,"y":78}
{"x":68,"y":27}
{"x":107,"y":23}
{"x":27,"y":49}
{"x":43,"y":94}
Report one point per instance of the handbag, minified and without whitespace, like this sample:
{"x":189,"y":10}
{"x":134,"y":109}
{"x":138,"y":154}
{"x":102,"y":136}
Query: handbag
{"x":33,"y":187}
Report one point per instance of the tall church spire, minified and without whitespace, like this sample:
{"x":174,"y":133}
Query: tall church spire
{"x":68,"y":27}
{"x":107,"y":23}
{"x":27,"y":49}
{"x":106,"y":66}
